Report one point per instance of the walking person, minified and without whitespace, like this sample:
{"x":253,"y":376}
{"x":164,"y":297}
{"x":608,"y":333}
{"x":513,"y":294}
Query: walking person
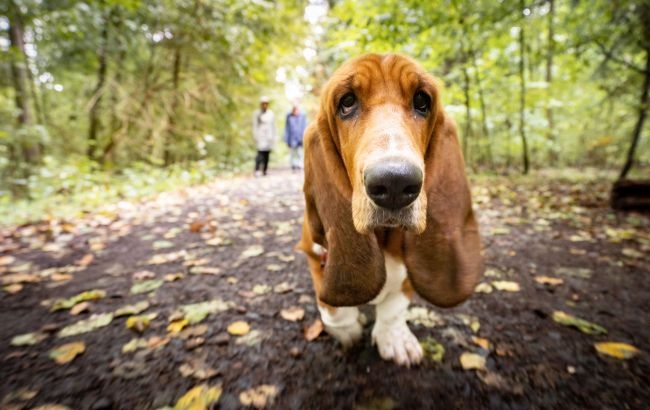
{"x":294,"y":129}
{"x":264,"y":135}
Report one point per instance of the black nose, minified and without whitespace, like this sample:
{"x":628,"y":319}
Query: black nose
{"x":393,"y":184}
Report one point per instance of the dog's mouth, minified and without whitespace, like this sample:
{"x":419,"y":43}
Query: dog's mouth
{"x":367,"y":216}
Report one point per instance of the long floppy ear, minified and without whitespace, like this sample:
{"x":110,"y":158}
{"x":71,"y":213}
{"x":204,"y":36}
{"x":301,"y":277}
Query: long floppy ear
{"x":354,"y":271}
{"x":444,"y":262}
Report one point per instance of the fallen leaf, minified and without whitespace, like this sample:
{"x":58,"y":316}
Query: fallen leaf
{"x":196,"y":226}
{"x":200,"y":397}
{"x":239,"y":328}
{"x":432,"y":349}
{"x":177,"y":325}
{"x":86,"y":260}
{"x":146,"y":286}
{"x":94,"y":294}
{"x":87,"y":325}
{"x":7,"y":260}
{"x":134,"y":344}
{"x":80,"y":308}
{"x":155,"y":342}
{"x":422,"y":316}
{"x":51,"y":407}
{"x":582,"y":273}
{"x":67,"y":352}
{"x":14,"y":278}
{"x":172,"y":277}
{"x":293,"y":314}
{"x":196,"y":312}
{"x":483,"y":288}
{"x":546,"y":280}
{"x":252,"y":251}
{"x":632,"y":253}
{"x":197,"y":369}
{"x":314,"y":330}
{"x":140,"y":323}
{"x":472,"y":361}
{"x":501,"y":230}
{"x":252,"y":339}
{"x":163,"y":258}
{"x":13,"y":289}
{"x":28,"y":339}
{"x":581,"y":324}
{"x":261,"y":289}
{"x":259,"y":397}
{"x":61,"y":277}
{"x":617,"y":350}
{"x":157,"y":245}
{"x":143,"y":274}
{"x":506,"y":286}
{"x":283,"y":287}
{"x":130,"y":310}
{"x":205,"y":270}
{"x":482,"y":342}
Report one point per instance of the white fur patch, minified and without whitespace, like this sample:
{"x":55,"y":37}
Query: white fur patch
{"x":391,"y":334}
{"x":343,"y":323}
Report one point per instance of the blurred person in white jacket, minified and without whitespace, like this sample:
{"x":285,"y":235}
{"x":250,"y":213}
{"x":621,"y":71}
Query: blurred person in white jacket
{"x":264,"y":135}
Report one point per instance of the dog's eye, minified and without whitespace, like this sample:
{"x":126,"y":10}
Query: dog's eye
{"x":347,"y":104}
{"x":421,"y":103}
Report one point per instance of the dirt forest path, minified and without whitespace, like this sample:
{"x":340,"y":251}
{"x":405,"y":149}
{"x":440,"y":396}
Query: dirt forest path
{"x":200,"y":293}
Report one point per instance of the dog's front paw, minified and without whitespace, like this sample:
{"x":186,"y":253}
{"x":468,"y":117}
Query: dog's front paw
{"x":348,"y":335}
{"x":345,"y":324}
{"x":396,"y":342}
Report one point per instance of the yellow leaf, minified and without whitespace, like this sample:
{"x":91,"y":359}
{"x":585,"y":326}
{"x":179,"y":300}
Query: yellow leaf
{"x":177,"y":325}
{"x":239,"y":328}
{"x":546,"y":280}
{"x":483,"y":288}
{"x":617,"y":349}
{"x":200,"y":397}
{"x":581,"y":324}
{"x":140,"y":323}
{"x":472,"y":361}
{"x":506,"y":286}
{"x":67,"y":352}
{"x":479,"y":341}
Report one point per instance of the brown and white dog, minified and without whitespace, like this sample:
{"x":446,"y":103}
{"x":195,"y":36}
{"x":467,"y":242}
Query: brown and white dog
{"x":388,"y":206}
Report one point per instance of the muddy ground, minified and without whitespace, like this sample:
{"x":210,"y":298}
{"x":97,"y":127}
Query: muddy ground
{"x":231,"y":242}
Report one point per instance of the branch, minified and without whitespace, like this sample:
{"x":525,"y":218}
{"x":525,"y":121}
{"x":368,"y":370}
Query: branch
{"x":611,"y":56}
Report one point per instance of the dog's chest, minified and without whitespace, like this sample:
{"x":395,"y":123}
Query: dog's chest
{"x":395,"y":276}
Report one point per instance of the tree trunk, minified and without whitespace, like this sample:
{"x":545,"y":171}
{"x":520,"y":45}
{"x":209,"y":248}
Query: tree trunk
{"x":22,"y":152}
{"x":95,"y":108}
{"x":550,"y":51}
{"x":176,"y":75}
{"x":468,"y":114}
{"x":643,"y":101}
{"x":522,"y":95}
{"x":481,"y":100}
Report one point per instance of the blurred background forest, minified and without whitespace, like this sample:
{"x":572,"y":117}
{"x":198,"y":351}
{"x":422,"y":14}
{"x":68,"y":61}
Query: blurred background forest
{"x":117,"y":98}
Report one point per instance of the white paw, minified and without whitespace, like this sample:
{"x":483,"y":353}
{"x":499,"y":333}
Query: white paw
{"x":396,"y":342}
{"x":345,"y":324}
{"x":348,"y":335}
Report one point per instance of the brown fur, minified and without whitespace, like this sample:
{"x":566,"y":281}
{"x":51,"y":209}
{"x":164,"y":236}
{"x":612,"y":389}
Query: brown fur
{"x":437,"y":239}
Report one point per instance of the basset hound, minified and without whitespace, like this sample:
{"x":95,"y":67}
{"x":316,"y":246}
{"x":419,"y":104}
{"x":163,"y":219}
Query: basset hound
{"x":388,"y":207}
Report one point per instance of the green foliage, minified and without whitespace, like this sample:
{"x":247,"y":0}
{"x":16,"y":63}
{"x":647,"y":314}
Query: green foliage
{"x":593,"y":95}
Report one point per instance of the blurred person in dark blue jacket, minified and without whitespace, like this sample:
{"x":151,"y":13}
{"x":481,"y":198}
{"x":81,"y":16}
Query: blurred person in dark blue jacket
{"x":294,"y":129}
